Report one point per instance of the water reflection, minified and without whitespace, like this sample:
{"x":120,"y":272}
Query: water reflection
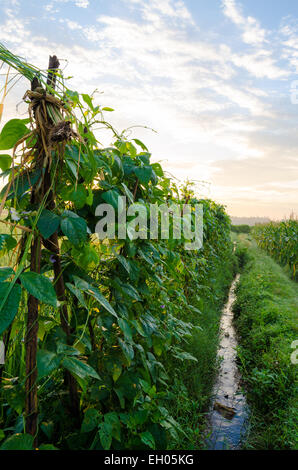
{"x":229,"y":410}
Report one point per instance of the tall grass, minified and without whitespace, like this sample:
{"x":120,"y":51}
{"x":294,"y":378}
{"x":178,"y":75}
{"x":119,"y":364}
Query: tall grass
{"x":266,"y":313}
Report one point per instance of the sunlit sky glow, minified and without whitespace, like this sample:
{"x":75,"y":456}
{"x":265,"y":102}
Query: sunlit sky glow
{"x":213,"y":78}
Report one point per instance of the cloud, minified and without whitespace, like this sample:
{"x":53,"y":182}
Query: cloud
{"x":52,"y":5}
{"x":252,"y":33}
{"x":210,"y":103}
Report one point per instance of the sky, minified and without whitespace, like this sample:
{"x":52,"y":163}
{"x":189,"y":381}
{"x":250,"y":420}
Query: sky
{"x":213,"y":78}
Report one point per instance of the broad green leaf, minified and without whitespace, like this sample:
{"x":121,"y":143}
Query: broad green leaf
{"x":7,"y":242}
{"x":127,"y":350}
{"x":125,"y":328}
{"x":78,"y":293}
{"x":48,"y":428}
{"x":79,"y":368}
{"x":131,"y":291}
{"x":88,"y":100}
{"x":120,"y":397}
{"x":143,"y":173}
{"x":22,"y":184}
{"x":148,"y":439}
{"x":112,"y":420}
{"x":141,"y":144}
{"x":158,"y":343}
{"x":86,"y":257}
{"x":13,"y":131}
{"x":5,"y":273}
{"x":105,"y":435}
{"x":128,"y":193}
{"x":112,"y":197}
{"x":40,"y":287}
{"x":78,"y":196}
{"x":74,"y":227}
{"x":124,"y":262}
{"x":183,"y":355}
{"x":18,"y":442}
{"x":117,"y":370}
{"x":91,"y":420}
{"x":5,"y":162}
{"x":47,"y":362}
{"x":73,"y":96}
{"x":89,"y":198}
{"x":47,"y":447}
{"x":48,"y":223}
{"x":157,"y":169}
{"x":11,"y":305}
{"x":95,"y":293}
{"x":132,"y":149}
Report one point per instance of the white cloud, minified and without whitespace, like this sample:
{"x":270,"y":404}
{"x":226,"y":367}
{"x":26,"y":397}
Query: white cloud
{"x":260,"y":64}
{"x":158,"y":69}
{"x":252,"y":33}
{"x":81,"y":3}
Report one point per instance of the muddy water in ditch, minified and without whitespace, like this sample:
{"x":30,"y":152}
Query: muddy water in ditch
{"x":229,"y":410}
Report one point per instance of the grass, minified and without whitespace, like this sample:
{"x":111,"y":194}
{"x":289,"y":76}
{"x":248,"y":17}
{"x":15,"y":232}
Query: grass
{"x":266,"y":314}
{"x":193,"y":385}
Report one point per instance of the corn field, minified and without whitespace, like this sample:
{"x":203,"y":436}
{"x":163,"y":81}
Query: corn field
{"x":280,"y":240}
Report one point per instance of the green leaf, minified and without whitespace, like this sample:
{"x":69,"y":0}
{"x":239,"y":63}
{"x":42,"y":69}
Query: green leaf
{"x":158,"y":344}
{"x":40,"y":287}
{"x":112,"y":420}
{"x":5,"y":162}
{"x":48,"y":428}
{"x":48,"y":223}
{"x":131,"y":291}
{"x":127,"y":350}
{"x":117,"y":370}
{"x":106,"y":108}
{"x":91,"y":420}
{"x":2,"y":434}
{"x":183,"y":355}
{"x":73,"y":96}
{"x":141,"y":144}
{"x":125,"y":328}
{"x":13,"y":131}
{"x":22,"y":184}
{"x":18,"y":442}
{"x":88,"y":100}
{"x":79,"y":368}
{"x":111,"y":197}
{"x":74,"y":227}
{"x":78,"y":196}
{"x":85,"y":257}
{"x":47,"y":447}
{"x":143,"y":173}
{"x":79,"y":295}
{"x":157,"y":169}
{"x":5,"y":273}
{"x":148,"y":439}
{"x":124,"y":262}
{"x":7,"y":242}
{"x":11,"y":304}
{"x":47,"y":362}
{"x":105,"y":435}
{"x":95,"y":293}
{"x":128,"y":193}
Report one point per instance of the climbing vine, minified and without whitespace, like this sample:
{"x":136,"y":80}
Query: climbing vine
{"x":100,"y":319}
